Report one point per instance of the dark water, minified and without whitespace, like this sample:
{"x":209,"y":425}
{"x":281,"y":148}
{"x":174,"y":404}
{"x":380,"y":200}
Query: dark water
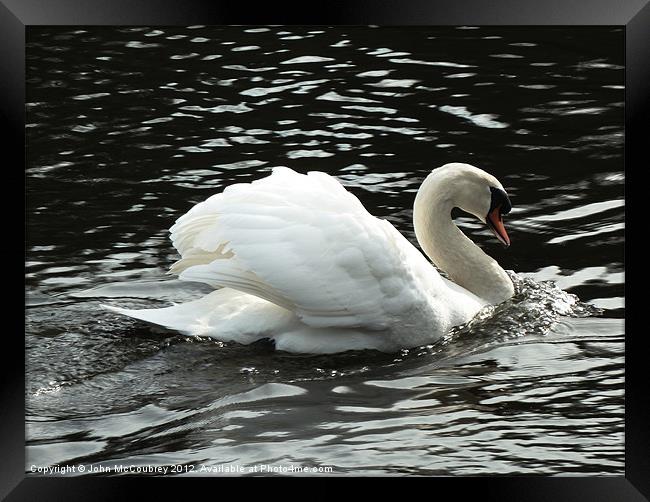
{"x":129,"y":127}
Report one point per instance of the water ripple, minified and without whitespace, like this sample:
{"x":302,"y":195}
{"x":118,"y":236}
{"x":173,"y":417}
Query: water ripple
{"x":525,"y":388}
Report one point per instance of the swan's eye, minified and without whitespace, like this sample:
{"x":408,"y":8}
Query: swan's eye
{"x":500,"y":199}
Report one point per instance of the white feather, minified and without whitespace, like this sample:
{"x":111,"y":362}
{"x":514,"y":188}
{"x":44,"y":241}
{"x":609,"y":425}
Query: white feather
{"x":312,"y":270}
{"x":305,"y":243}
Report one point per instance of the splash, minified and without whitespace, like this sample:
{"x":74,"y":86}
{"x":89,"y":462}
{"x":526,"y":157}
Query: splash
{"x":533,"y":310}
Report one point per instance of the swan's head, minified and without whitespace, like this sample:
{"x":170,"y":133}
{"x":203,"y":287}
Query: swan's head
{"x":476,"y":192}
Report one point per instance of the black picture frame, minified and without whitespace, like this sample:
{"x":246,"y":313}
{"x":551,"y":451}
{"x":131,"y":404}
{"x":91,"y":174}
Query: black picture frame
{"x":17,"y":15}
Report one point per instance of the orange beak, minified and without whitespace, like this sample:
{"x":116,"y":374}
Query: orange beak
{"x":495,"y":222}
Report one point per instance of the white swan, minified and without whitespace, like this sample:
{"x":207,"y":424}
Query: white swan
{"x":298,"y":259}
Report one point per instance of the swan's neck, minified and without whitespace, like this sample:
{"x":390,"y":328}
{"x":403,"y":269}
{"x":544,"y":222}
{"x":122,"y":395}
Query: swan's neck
{"x":449,"y":249}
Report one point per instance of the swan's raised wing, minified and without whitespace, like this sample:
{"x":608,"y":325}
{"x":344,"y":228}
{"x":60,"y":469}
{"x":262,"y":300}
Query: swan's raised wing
{"x":302,"y":242}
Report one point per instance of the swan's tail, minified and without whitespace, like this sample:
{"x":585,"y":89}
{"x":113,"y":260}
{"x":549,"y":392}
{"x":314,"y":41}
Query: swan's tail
{"x":225,"y":315}
{"x":170,"y":318}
